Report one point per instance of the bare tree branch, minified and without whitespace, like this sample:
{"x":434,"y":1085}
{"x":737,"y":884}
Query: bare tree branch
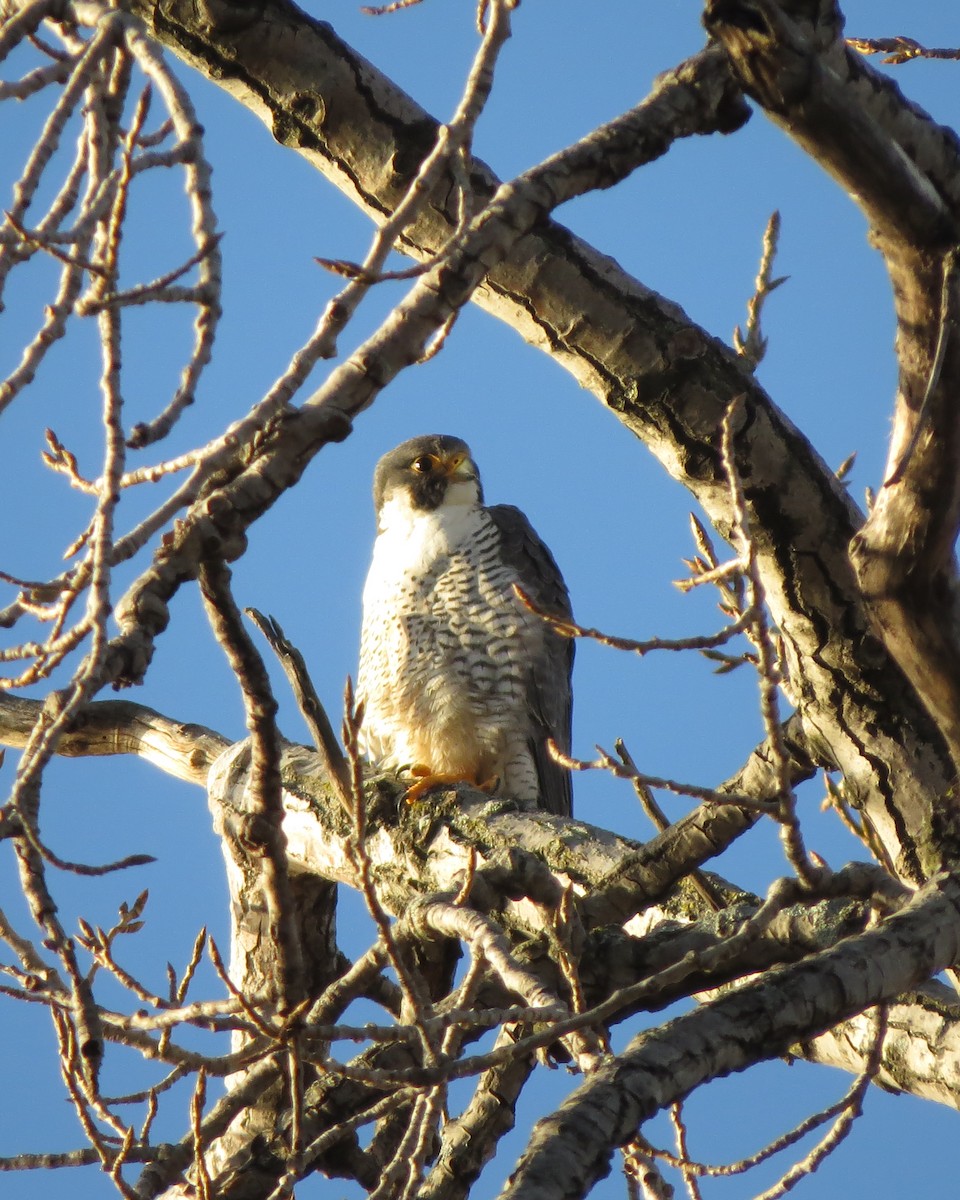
{"x":760,"y":1019}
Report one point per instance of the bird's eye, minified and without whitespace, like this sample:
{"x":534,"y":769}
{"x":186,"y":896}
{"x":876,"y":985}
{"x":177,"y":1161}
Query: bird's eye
{"x":423,"y":465}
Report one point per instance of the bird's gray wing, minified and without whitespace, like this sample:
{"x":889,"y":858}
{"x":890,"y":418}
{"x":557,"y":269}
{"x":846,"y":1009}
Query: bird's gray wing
{"x":549,"y":694}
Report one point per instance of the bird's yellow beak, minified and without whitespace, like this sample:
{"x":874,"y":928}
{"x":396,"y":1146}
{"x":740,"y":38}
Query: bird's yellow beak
{"x":456,"y":464}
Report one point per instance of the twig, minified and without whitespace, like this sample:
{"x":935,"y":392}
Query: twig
{"x":606,"y":762}
{"x":752,"y":345}
{"x":862,"y":830}
{"x":196,"y":1115}
{"x":452,"y":139}
{"x":264,"y":790}
{"x":661,"y":822}
{"x":643,"y":1175}
{"x":407,"y":1159}
{"x":899,"y":49}
{"x":683,"y":1157}
{"x":487,"y":941}
{"x":769,"y":667}
{"x":851,"y":1107}
{"x":383,"y":10}
{"x":220,"y":967}
{"x":203,"y":227}
{"x":410,"y":980}
{"x":568,"y":628}
{"x":308,"y":701}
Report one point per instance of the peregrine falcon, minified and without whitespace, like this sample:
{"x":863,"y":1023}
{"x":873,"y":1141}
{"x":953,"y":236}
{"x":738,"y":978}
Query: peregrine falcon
{"x":459,"y":680}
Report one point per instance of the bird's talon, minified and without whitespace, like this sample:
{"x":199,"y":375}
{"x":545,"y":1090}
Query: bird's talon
{"x":427,"y":780}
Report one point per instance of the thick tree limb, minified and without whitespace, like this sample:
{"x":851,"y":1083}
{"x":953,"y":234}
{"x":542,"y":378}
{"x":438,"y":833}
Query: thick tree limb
{"x":900,"y":167}
{"x":903,"y":171}
{"x":111,"y":727}
{"x":921,"y":1048}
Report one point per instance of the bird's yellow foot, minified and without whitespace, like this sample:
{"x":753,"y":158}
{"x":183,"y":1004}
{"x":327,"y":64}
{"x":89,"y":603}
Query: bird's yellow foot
{"x":427,"y":780}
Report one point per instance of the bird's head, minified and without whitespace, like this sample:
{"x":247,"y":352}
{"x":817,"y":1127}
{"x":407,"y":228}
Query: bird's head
{"x":427,"y":473}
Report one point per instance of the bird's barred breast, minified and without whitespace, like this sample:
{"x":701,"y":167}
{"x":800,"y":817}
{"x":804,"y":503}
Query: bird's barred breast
{"x":440,"y":664}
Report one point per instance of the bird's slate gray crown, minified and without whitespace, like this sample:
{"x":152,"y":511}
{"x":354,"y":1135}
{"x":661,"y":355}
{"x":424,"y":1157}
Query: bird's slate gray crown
{"x":458,"y":678}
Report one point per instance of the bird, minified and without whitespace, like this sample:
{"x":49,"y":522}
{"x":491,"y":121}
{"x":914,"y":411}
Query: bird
{"x":459,"y":680}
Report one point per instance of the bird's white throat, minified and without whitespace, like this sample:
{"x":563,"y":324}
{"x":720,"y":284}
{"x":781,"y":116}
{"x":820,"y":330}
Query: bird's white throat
{"x":411,"y":539}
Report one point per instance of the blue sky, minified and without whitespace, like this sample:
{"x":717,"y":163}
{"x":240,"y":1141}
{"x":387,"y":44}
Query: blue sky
{"x":688,"y":226}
